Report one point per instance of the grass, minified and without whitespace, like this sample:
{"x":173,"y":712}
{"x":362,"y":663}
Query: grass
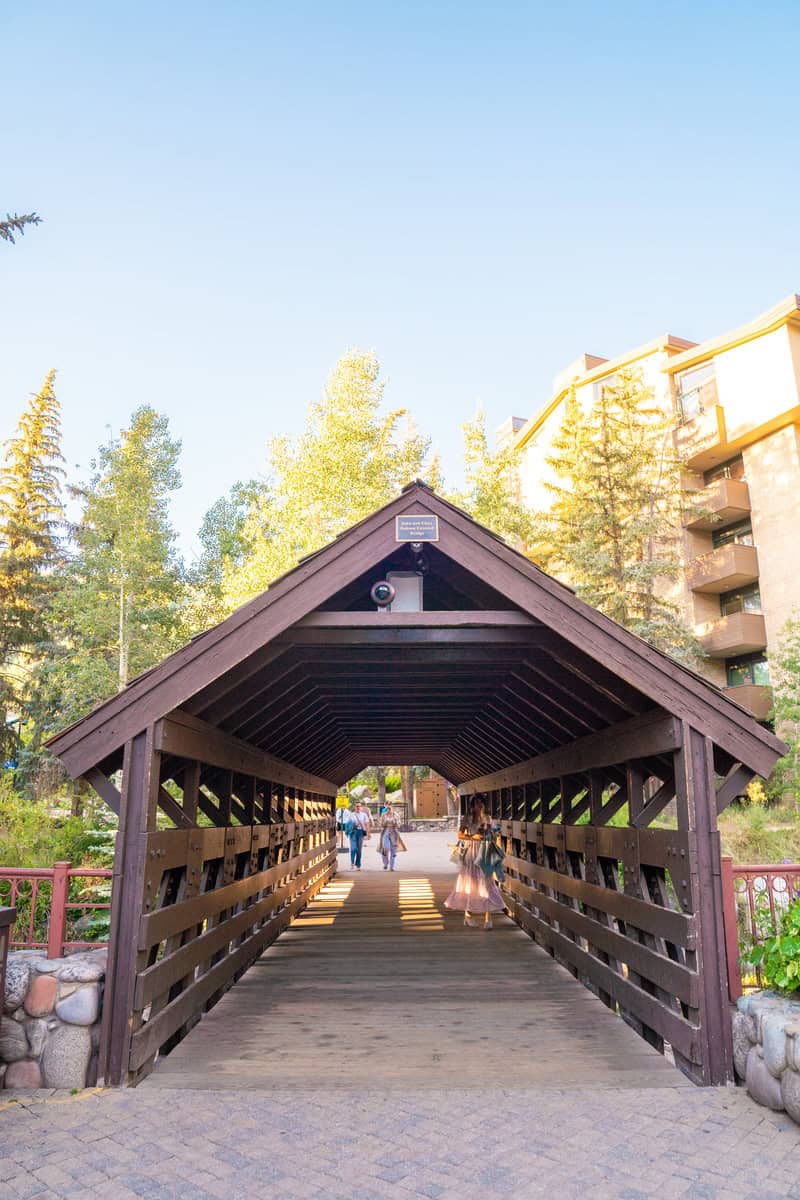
{"x":754,"y":833}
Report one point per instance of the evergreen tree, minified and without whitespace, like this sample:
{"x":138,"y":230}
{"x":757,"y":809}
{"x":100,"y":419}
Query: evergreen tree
{"x":14,"y":226}
{"x":347,"y":462}
{"x":612,"y":531}
{"x":31,"y":513}
{"x":119,"y":609}
{"x":785,"y":677}
{"x":492,"y":492}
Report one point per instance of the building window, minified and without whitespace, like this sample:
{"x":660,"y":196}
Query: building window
{"x":691,"y":386}
{"x":750,"y":668}
{"x":741,"y":533}
{"x":732,"y":469}
{"x":747,"y":599}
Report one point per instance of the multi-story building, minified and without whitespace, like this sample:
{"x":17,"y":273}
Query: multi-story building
{"x":735,"y":401}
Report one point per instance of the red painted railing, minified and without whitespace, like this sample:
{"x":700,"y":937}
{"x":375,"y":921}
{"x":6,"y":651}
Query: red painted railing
{"x":755,"y":897}
{"x":54,"y":903}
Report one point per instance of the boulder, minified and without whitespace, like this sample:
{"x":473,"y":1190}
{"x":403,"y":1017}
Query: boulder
{"x":742,"y":1026}
{"x":790,"y":1093}
{"x":18,"y":974}
{"x":82,"y":1007}
{"x":773,"y":1040}
{"x":41,"y":995}
{"x":36,"y":1030}
{"x":793,"y":1043}
{"x":23,"y":1075}
{"x":48,"y":966}
{"x":66,"y":1057}
{"x":81,"y":972}
{"x":13,"y":1042}
{"x":763,"y":1087}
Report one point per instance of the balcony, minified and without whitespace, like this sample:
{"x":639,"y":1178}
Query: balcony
{"x":724,"y":569}
{"x":737,"y":633}
{"x":699,"y":438}
{"x":756,"y":699}
{"x":722,"y":503}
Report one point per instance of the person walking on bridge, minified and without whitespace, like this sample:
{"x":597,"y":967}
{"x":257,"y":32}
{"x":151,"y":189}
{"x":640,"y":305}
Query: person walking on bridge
{"x":390,"y":841}
{"x":358,"y":831}
{"x":480,"y":865}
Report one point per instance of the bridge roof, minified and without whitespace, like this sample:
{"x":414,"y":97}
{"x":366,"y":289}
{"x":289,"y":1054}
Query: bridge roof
{"x":504,"y":664}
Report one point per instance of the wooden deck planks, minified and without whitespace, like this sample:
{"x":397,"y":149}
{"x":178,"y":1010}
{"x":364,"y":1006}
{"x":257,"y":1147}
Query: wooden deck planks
{"x":377,"y":985}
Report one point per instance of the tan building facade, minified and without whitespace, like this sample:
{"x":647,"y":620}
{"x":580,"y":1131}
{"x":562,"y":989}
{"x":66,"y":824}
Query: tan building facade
{"x":735,"y":402}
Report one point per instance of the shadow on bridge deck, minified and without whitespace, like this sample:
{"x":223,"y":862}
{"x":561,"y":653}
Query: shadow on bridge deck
{"x":377,"y":985}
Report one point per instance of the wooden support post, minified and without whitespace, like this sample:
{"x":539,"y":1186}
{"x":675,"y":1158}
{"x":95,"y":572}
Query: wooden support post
{"x":191,"y":786}
{"x":694,"y":779}
{"x":731,"y":930}
{"x":57,"y":929}
{"x":139,"y":800}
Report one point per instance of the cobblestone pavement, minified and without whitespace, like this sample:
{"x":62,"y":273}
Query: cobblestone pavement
{"x":625,"y":1144}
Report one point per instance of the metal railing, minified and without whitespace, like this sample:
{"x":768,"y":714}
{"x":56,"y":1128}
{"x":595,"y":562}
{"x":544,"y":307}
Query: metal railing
{"x":755,"y":897}
{"x":57,"y":907}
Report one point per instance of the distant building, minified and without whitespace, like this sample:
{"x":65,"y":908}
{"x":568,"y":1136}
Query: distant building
{"x":735,"y":401}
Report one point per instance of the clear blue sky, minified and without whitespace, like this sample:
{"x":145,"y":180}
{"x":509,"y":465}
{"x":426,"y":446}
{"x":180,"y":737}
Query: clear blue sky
{"x":235,"y":193}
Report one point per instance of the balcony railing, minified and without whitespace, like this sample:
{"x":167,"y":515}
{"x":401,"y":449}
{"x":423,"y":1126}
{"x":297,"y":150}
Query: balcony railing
{"x":721,"y":503}
{"x":724,"y":569}
{"x":57,"y":907}
{"x":699,"y":436}
{"x":736,"y":633}
{"x":755,"y":897}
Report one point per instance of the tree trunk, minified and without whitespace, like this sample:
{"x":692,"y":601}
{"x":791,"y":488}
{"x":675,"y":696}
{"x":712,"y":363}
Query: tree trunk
{"x":405,"y":787}
{"x":380,"y":775}
{"x":123,"y":642}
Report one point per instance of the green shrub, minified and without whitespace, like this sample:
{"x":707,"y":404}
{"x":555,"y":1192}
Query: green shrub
{"x":779,"y":957}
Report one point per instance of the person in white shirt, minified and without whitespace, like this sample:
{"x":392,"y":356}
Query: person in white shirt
{"x":362,"y":824}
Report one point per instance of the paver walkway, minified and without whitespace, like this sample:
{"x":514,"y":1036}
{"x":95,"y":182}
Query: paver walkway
{"x":384,"y":1120}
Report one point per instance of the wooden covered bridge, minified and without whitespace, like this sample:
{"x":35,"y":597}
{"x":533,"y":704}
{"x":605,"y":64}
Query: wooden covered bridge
{"x":504,"y":682}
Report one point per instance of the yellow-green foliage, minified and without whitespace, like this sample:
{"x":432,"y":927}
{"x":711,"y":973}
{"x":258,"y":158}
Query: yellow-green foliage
{"x":39,"y":833}
{"x":349,"y":460}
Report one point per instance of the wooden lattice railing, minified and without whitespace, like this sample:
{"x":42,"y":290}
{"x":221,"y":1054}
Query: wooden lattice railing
{"x":215,"y":899}
{"x":613,"y":906}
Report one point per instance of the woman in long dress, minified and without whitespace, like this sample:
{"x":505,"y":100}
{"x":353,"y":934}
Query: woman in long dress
{"x":390,"y":841}
{"x":476,"y":889}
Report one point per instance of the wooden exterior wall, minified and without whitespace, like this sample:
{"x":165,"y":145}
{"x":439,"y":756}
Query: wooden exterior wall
{"x":634,"y":912}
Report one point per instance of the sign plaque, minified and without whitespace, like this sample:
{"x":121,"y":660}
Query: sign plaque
{"x":416,"y":527}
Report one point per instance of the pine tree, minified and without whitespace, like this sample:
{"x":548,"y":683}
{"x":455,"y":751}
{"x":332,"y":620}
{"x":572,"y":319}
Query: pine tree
{"x":492,"y":492}
{"x":15,"y":225}
{"x":347,"y":462}
{"x":785,"y":677}
{"x":120,"y":607}
{"x":31,"y":513}
{"x":612,"y":531}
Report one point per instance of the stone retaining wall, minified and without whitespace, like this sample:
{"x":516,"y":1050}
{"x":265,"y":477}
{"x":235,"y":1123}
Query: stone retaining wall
{"x":766,"y":1050}
{"x":431,"y":825}
{"x":50,"y":1024}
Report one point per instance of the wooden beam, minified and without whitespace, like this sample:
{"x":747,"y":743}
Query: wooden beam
{"x":734,"y":784}
{"x":447,"y":619}
{"x":104,"y":788}
{"x":651,"y":733}
{"x":189,"y":737}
